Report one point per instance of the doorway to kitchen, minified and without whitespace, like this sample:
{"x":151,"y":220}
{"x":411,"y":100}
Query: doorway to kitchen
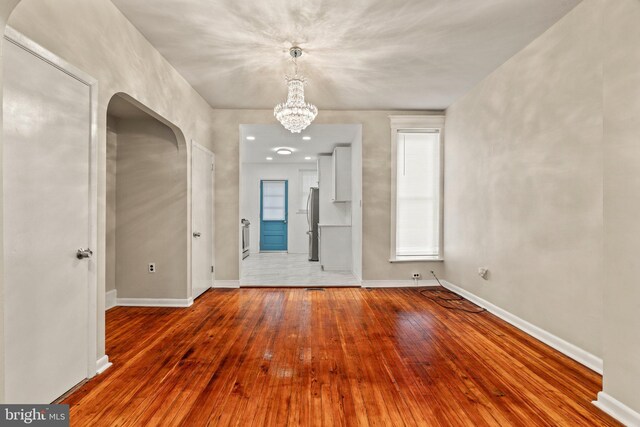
{"x":300,"y":206}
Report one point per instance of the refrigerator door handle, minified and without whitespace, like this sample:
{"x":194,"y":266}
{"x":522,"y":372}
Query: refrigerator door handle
{"x":309,"y":208}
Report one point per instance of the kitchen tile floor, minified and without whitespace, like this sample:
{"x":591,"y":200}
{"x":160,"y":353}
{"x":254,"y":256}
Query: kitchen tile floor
{"x":282,"y":269}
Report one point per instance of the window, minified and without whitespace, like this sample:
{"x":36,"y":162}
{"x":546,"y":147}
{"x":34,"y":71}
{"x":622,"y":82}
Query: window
{"x":417,"y":191}
{"x":308,"y":179}
{"x":274,"y":200}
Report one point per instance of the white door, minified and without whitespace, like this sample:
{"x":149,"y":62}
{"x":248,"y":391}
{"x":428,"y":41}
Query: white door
{"x":201,"y":219}
{"x":47,"y":218}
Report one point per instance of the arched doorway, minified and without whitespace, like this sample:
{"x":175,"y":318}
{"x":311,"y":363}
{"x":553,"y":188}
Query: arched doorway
{"x":146,"y":209}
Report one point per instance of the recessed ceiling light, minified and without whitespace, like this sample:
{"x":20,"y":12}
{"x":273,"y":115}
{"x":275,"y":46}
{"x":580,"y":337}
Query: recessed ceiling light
{"x":269,"y":158}
{"x":306,"y":138}
{"x":251,"y":138}
{"x":307,"y":158}
{"x":284,"y":152}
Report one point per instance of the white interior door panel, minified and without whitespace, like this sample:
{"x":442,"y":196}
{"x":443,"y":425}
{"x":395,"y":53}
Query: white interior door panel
{"x":201,"y":219}
{"x":47,"y":218}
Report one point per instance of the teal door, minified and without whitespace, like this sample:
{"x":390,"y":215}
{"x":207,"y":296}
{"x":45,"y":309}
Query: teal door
{"x":273,"y":215}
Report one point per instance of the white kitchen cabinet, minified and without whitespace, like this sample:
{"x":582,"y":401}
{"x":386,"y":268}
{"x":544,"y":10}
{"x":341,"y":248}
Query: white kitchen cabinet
{"x":330,"y":212}
{"x":341,"y":173}
{"x":335,"y":247}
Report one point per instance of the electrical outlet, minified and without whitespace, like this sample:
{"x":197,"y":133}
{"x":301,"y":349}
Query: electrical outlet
{"x":417,"y":276}
{"x":152,"y":267}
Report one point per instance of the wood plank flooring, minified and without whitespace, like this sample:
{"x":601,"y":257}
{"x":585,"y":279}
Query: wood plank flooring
{"x":343,"y":356}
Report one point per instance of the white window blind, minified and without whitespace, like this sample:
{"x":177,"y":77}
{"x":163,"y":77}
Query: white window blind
{"x":418,"y":194}
{"x":273,"y":200}
{"x":308,"y":179}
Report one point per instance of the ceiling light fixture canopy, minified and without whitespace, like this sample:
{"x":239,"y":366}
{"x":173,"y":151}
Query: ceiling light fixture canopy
{"x":295,"y":114}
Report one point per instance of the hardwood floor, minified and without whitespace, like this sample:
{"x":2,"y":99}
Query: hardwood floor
{"x":343,"y":356}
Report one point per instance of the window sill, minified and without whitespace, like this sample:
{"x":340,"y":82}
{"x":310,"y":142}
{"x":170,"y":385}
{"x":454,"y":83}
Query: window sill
{"x":416,"y":259}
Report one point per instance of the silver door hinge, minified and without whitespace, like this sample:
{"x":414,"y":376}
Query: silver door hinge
{"x":212,"y":268}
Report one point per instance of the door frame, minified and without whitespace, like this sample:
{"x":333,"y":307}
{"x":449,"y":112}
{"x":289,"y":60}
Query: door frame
{"x":195,"y":145}
{"x":95,"y":364}
{"x":286,"y":213}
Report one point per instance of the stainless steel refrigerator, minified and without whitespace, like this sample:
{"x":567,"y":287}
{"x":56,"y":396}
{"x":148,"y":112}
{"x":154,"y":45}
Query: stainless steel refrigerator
{"x":313,"y":214}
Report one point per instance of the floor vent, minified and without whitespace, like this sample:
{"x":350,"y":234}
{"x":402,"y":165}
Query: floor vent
{"x":314,"y":289}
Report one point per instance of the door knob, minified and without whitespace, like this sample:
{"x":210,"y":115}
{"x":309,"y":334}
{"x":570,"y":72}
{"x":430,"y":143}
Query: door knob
{"x":84,"y":253}
{"x":196,"y":234}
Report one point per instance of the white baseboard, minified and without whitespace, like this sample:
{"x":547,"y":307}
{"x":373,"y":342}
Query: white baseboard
{"x":226,"y":284}
{"x":574,"y":352}
{"x":617,"y":410}
{"x":398,"y":283}
{"x":110,"y":299}
{"x":103,"y":364}
{"x":155,"y":302}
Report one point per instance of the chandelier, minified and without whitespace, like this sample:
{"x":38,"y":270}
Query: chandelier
{"x":295,"y":114}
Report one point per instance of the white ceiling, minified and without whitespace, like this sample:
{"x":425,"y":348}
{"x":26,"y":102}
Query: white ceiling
{"x":268,"y":137}
{"x":359,"y":54}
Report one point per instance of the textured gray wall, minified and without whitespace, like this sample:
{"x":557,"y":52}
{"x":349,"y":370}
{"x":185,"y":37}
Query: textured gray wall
{"x":110,"y":205}
{"x":151,"y":211}
{"x":622,"y":201}
{"x":523,"y":183}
